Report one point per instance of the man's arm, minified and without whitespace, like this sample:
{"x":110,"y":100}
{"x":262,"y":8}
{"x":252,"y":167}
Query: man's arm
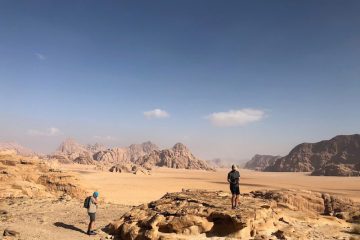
{"x":94,"y":200}
{"x":228,"y":178}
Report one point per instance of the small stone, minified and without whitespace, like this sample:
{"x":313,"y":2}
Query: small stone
{"x":9,"y":232}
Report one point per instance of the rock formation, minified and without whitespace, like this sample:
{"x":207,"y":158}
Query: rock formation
{"x":22,"y":176}
{"x":262,"y":215}
{"x":339,"y":156}
{"x":17,"y":148}
{"x":129,"y":168}
{"x":177,"y":157}
{"x":125,"y":155}
{"x":71,"y":151}
{"x":260,"y":162}
{"x":85,"y":158}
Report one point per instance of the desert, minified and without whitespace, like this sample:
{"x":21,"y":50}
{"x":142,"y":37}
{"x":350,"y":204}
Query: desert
{"x":33,"y":208}
{"x":179,"y":120}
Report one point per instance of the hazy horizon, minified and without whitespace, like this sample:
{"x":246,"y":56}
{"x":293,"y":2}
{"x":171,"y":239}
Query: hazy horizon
{"x":229,"y":80}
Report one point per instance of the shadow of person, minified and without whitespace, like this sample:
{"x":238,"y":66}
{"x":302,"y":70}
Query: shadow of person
{"x":68,"y":226}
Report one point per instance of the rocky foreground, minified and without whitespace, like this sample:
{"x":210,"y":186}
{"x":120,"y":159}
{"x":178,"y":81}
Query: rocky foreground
{"x":22,"y":176}
{"x":261,"y":215}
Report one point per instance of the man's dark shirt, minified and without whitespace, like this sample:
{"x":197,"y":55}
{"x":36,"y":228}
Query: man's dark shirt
{"x":233,"y":177}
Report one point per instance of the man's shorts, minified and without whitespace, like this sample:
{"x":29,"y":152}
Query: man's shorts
{"x":92,"y":216}
{"x":235,"y":190}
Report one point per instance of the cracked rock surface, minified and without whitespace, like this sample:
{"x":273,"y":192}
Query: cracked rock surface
{"x":201,"y":214}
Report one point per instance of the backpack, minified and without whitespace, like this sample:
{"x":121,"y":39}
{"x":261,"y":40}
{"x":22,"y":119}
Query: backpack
{"x":87,"y":202}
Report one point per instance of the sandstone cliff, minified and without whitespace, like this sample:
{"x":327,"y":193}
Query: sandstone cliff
{"x":178,"y":156}
{"x":260,"y":162}
{"x":22,"y":176}
{"x":339,"y":156}
{"x":125,"y":155}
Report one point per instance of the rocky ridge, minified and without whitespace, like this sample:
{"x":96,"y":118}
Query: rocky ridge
{"x":129,"y":168}
{"x":261,"y":162}
{"x":179,"y":156}
{"x":339,"y":156}
{"x":20,"y":150}
{"x":202,"y":214}
{"x":71,"y":151}
{"x":125,"y":155}
{"x":22,"y":176}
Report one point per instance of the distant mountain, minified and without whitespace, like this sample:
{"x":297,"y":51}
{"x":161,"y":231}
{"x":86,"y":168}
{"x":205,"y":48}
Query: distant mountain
{"x":20,"y":150}
{"x":178,"y":156}
{"x":125,"y":155}
{"x":217,"y":163}
{"x":260,"y":162}
{"x":71,"y":151}
{"x":339,"y":156}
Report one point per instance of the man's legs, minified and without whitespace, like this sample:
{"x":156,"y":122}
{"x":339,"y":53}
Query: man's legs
{"x":91,"y":223}
{"x":236,"y":202}
{"x":90,"y":226}
{"x":233,"y":203}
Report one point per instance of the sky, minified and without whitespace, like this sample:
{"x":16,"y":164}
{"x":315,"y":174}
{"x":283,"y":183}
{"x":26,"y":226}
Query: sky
{"x":229,"y":79}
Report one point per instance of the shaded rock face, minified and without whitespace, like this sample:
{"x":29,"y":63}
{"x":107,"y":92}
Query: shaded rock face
{"x":129,"y":168}
{"x":345,"y":170}
{"x":84,"y":159}
{"x":121,"y":155}
{"x":202,"y":214}
{"x":20,"y":150}
{"x":260,"y":162}
{"x":321,"y":158}
{"x":31,"y":177}
{"x":177,"y":157}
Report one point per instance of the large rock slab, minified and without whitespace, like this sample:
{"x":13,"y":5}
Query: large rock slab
{"x":201,"y":214}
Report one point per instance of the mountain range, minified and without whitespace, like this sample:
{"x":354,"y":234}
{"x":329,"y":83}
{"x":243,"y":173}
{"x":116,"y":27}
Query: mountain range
{"x":339,"y":156}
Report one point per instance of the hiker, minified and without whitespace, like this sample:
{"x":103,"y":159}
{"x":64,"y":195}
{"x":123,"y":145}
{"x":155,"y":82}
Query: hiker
{"x":233,"y":178}
{"x":92,"y":207}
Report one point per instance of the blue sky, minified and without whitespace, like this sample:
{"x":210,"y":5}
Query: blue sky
{"x":228,"y":79}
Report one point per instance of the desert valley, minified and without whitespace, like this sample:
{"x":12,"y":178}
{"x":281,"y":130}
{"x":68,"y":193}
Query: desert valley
{"x":179,"y":120}
{"x":148,"y":193}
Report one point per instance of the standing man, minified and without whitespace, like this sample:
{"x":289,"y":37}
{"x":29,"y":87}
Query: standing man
{"x":233,"y":178}
{"x":93,"y":204}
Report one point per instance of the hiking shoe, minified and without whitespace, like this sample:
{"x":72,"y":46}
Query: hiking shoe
{"x":91,"y":233}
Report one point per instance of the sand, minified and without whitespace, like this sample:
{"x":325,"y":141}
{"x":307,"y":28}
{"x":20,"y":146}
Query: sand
{"x":130,"y":189}
{"x":50,"y":219}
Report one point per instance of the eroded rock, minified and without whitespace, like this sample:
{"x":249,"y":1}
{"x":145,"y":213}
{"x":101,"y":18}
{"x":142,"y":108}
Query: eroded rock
{"x":202,"y":214}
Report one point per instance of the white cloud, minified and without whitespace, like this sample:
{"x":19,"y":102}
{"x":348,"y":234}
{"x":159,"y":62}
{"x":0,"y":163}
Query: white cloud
{"x":232,"y":118}
{"x":104,"y":138}
{"x":53,"y":131}
{"x":156,"y":113}
{"x":40,"y":56}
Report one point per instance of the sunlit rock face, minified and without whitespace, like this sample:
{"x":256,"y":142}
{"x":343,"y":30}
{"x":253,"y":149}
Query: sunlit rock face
{"x":261,"y":215}
{"x":178,"y":156}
